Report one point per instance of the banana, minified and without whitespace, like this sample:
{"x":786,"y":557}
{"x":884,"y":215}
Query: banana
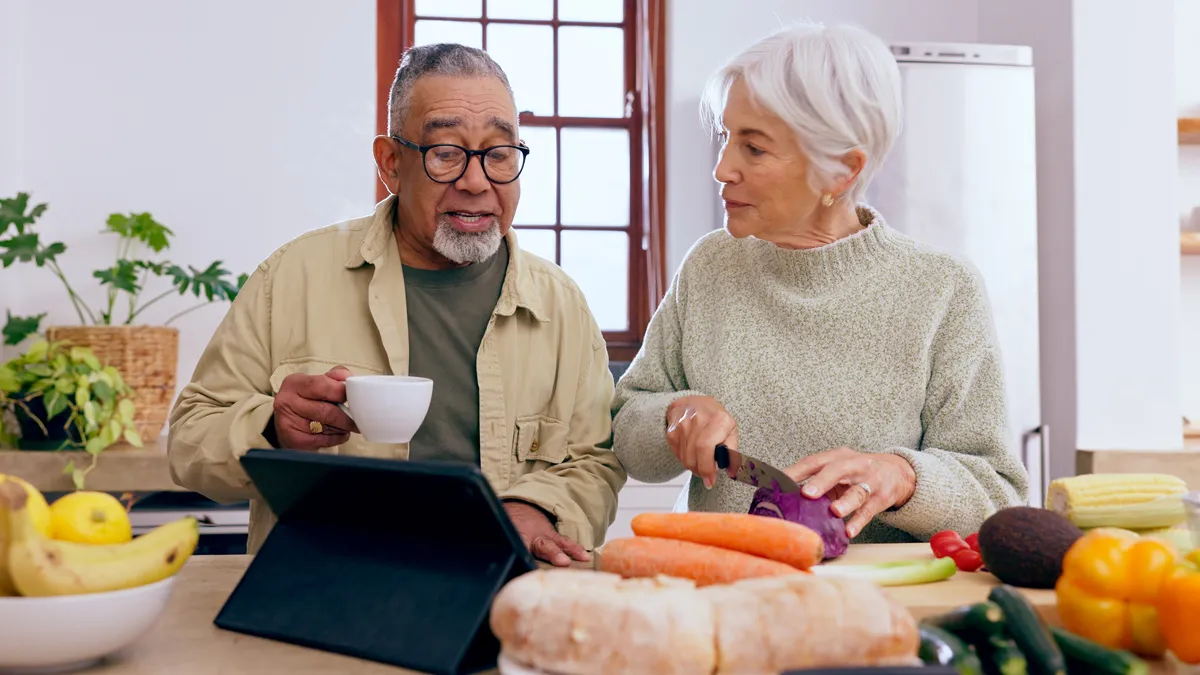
{"x":6,"y":583}
{"x":40,"y":566}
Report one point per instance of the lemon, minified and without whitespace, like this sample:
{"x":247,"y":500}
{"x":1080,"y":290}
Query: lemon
{"x":87,"y":517}
{"x":36,"y":502}
{"x":1194,"y":557}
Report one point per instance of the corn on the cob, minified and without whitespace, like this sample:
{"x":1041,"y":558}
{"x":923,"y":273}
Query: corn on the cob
{"x":1135,"y":501}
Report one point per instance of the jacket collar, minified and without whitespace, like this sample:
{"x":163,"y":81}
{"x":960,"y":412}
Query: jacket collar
{"x":369,"y":242}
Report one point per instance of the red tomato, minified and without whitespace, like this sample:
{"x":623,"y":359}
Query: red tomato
{"x":967,"y":560}
{"x":949,"y":547}
{"x":944,"y":534}
{"x":973,"y":542}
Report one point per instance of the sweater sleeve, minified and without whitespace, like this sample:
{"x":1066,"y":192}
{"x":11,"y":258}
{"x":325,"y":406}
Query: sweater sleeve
{"x":965,"y":469}
{"x":653,"y":381}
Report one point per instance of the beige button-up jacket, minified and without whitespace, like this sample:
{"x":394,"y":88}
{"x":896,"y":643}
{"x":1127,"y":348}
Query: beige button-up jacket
{"x":335,"y":296}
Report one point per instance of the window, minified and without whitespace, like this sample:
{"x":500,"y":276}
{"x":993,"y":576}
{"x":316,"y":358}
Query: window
{"x":587,"y":78}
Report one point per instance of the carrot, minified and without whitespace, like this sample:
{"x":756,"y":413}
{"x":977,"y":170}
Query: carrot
{"x":772,"y":538}
{"x":706,"y":565}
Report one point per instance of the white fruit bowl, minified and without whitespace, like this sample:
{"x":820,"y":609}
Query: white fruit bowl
{"x":65,"y":633}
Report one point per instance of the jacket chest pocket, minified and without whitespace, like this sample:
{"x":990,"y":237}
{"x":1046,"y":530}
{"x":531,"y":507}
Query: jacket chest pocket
{"x":541,"y":439}
{"x":314,"y":366}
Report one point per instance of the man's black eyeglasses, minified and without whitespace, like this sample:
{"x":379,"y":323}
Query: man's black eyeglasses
{"x":446,"y":163}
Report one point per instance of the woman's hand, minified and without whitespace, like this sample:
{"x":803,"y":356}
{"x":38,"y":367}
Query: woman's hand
{"x":695,"y":426}
{"x":865,"y":484}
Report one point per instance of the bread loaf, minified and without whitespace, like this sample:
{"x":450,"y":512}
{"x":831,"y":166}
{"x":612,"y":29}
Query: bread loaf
{"x":581,"y":622}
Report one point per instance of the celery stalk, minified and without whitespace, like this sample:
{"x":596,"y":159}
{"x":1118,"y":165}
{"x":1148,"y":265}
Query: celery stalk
{"x":900,"y":573}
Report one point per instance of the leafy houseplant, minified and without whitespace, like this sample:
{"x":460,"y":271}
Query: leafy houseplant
{"x":138,"y":235}
{"x":116,"y":331}
{"x":62,"y":397}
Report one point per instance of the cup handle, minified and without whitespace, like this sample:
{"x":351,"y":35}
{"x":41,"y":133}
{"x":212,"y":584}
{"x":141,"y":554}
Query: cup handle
{"x":346,"y":409}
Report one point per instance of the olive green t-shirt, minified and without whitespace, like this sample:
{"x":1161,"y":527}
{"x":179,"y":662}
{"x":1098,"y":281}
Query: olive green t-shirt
{"x":448,"y":312}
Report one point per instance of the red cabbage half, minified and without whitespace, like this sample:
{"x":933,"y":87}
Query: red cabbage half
{"x":815,"y":514}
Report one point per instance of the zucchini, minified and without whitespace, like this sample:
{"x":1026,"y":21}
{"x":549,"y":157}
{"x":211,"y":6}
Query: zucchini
{"x":943,"y":648}
{"x":1086,"y":656}
{"x":981,"y":619}
{"x":1029,"y":632}
{"x":1001,"y":656}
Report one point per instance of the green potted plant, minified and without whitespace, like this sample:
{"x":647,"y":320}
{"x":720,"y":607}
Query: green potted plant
{"x":117,"y":331}
{"x":61,"y":397}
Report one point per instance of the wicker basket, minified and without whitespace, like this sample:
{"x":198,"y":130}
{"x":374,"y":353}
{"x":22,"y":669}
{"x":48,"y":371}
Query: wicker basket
{"x":146,"y":356}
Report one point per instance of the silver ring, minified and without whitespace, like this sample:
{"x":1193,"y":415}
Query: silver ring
{"x":866,"y":488}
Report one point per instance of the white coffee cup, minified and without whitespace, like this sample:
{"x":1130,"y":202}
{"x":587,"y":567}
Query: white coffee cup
{"x":387,"y":408}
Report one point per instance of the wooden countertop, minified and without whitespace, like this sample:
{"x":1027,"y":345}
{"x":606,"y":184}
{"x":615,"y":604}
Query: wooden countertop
{"x":186,"y":634}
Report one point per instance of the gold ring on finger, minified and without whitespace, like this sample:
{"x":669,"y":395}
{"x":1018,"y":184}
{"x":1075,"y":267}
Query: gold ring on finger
{"x":866,"y":488}
{"x":315,"y":427}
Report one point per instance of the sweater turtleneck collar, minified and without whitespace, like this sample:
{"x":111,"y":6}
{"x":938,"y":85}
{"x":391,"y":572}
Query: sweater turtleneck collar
{"x":819,"y":270}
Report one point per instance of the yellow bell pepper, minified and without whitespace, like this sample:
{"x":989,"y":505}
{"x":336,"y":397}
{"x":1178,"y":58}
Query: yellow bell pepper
{"x":1179,"y":615}
{"x":1109,"y":590}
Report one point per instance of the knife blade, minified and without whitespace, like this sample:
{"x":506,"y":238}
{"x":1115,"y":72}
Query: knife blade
{"x":752,"y":471}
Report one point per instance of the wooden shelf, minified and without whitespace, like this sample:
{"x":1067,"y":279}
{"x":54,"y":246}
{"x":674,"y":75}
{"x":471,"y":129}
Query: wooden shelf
{"x":1189,"y":130}
{"x":119,"y":469}
{"x":1189,"y":243}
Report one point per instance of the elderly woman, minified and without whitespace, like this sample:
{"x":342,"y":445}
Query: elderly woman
{"x":810,"y":334}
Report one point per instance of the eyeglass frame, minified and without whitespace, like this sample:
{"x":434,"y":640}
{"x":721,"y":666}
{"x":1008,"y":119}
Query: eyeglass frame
{"x":424,"y":149}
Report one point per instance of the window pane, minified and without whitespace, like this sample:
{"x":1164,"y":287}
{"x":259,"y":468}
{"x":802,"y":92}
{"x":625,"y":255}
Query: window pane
{"x":526,"y":53}
{"x":591,"y":72}
{"x":607,"y":11}
{"x":537,"y":242}
{"x":464,"y":8}
{"x":599,"y":263}
{"x":595,"y":177}
{"x":539,"y":178}
{"x":520,"y":9}
{"x":466,"y":33}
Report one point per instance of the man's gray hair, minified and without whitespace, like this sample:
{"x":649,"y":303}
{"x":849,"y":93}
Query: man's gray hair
{"x":444,"y":59}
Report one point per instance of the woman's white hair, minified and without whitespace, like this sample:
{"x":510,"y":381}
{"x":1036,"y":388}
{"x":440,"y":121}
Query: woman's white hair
{"x":837,"y":87}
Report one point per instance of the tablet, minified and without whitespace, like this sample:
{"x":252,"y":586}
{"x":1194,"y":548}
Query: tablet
{"x":387,"y":560}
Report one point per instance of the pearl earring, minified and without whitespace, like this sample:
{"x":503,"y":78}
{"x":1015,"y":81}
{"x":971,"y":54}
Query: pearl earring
{"x":827,"y":199}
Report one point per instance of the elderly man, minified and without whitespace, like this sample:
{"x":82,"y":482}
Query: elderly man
{"x":434,"y":285}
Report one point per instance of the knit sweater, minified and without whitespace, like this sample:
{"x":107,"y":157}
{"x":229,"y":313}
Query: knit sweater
{"x":874,"y":342}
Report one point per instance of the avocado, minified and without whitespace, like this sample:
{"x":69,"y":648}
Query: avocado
{"x":1024,"y":546}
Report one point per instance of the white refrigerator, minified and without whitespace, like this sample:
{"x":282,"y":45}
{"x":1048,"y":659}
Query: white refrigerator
{"x":962,"y":178}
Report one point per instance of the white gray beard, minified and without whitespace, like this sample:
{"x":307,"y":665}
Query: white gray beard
{"x":466,"y":247}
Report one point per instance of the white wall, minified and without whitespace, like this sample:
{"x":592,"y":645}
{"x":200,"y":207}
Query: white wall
{"x":236,"y":124}
{"x":12,"y":84}
{"x":1127,"y":234}
{"x":1187,"y":89}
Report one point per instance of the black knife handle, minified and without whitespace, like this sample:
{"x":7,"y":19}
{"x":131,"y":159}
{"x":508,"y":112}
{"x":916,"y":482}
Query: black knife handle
{"x":722,"y":456}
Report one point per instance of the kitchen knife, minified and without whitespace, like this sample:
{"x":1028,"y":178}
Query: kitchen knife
{"x":754,"y":472}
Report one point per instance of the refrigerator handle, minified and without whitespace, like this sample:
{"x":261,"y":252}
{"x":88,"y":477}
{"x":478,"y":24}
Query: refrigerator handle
{"x":1043,"y":460}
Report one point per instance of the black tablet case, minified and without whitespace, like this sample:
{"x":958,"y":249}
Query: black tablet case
{"x":391,"y":561}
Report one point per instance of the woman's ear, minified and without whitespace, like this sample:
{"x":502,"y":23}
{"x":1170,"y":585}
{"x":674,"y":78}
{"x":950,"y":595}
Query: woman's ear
{"x":855,"y":161}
